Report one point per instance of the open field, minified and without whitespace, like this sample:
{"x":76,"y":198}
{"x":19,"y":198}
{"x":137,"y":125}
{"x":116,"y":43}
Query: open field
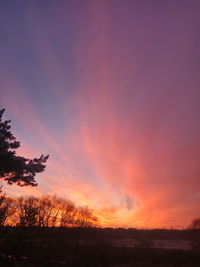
{"x":98,"y":247}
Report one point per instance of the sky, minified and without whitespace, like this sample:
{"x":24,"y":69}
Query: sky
{"x":110,"y":90}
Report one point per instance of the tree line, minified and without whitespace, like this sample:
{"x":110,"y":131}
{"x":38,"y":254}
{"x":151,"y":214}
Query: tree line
{"x":45,"y":211}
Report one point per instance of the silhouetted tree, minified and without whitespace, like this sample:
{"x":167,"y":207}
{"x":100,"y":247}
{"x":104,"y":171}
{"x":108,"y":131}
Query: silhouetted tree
{"x":2,"y":208}
{"x":46,"y":211}
{"x":68,"y":213}
{"x":85,"y":218}
{"x":28,"y":211}
{"x":6,"y":208}
{"x":13,"y":168}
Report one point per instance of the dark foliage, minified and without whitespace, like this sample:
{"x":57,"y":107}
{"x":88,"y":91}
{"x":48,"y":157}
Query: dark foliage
{"x":13,"y":168}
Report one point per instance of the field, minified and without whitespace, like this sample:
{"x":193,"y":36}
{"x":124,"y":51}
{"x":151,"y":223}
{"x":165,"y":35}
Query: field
{"x":98,"y":247}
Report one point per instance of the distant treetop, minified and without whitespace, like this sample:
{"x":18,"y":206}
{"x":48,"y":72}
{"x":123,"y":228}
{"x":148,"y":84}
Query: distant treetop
{"x":195,"y":224}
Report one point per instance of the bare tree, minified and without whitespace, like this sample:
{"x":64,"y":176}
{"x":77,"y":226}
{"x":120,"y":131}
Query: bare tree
{"x":46,"y":211}
{"x":68,"y":213}
{"x":28,"y":211}
{"x":85,"y":218}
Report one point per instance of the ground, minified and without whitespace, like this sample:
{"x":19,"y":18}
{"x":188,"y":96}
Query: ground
{"x":98,"y":247}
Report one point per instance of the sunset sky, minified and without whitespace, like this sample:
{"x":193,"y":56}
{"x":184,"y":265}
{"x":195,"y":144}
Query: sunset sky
{"x":110,"y":89}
